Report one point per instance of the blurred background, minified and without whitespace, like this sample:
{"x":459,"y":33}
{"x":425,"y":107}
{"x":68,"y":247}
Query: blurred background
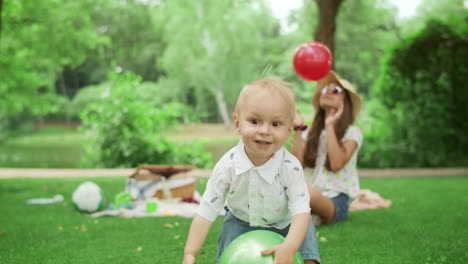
{"x":119,"y":83}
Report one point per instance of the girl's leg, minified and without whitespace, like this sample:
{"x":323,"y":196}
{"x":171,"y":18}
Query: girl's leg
{"x":321,"y":205}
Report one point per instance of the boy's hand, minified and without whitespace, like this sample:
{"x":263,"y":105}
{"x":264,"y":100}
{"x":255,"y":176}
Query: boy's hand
{"x":282,"y":254}
{"x":188,"y":259}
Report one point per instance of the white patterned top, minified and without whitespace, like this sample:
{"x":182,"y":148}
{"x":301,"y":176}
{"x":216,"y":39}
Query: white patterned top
{"x":267,"y":196}
{"x":345,"y":180}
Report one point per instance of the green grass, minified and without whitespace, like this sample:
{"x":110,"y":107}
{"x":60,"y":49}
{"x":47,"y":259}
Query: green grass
{"x":426,"y":224}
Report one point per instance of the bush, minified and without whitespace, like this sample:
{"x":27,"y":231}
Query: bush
{"x":421,"y":118}
{"x":127,"y":130}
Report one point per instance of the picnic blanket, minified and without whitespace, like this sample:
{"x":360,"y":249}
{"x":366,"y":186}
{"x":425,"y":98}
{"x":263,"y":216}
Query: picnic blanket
{"x":166,"y":207}
{"x":368,"y":199}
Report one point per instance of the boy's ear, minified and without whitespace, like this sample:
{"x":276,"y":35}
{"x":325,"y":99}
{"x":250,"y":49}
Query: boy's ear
{"x":236,"y":122}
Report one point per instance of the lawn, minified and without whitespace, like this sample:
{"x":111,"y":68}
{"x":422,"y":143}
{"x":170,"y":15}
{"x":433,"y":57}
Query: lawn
{"x":426,"y":224}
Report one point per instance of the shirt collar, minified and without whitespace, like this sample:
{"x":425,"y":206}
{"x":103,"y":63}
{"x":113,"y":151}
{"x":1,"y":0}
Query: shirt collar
{"x":267,"y":171}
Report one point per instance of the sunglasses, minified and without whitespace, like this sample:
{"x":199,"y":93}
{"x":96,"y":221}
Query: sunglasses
{"x":334,"y":89}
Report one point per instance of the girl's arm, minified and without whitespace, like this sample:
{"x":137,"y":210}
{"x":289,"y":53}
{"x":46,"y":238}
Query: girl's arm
{"x":338,"y":154}
{"x":298,"y":144}
{"x":284,"y":253}
{"x":196,"y":237}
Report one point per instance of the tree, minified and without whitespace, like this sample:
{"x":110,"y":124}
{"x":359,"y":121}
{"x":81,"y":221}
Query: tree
{"x":209,"y":57}
{"x":1,"y":14}
{"x":35,"y":48}
{"x":428,"y":9}
{"x":361,"y":40}
{"x":424,"y":103}
{"x":131,"y":37}
{"x":326,"y":27}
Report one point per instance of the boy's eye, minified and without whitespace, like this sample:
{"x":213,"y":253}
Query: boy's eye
{"x":254,"y":121}
{"x":275,"y":124}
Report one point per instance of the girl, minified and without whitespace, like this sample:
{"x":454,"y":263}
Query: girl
{"x":328,"y":150}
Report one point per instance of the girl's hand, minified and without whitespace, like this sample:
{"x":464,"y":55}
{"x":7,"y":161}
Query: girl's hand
{"x":282,"y":254}
{"x":298,"y":119}
{"x":188,"y":259}
{"x":334,"y":115}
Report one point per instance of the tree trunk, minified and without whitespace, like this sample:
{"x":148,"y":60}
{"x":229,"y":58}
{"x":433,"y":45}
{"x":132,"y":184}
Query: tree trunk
{"x":222,"y":106}
{"x":1,"y":15}
{"x":210,"y":45}
{"x":325,"y":32}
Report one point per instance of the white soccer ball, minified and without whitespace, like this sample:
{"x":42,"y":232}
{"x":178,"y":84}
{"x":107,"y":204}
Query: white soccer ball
{"x":88,"y":197}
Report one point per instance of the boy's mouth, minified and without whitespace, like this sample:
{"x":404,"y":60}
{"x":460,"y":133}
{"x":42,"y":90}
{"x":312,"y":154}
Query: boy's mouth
{"x":262,"y":142}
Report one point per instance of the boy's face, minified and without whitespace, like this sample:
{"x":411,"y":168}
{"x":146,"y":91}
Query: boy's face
{"x":264,"y":122}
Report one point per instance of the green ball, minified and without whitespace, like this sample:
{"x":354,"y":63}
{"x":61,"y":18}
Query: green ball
{"x":246,"y":249}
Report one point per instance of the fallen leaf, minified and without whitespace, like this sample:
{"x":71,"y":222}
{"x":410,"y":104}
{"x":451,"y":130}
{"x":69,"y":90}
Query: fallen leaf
{"x":83,"y":227}
{"x":167,"y":213}
{"x":177,"y":237}
{"x":60,"y":228}
{"x":168,"y":225}
{"x":139,"y":249}
{"x":323,"y":239}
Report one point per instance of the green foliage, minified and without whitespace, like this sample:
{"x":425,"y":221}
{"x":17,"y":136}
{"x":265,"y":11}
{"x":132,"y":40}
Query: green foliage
{"x":35,"y":47}
{"x":430,"y":9}
{"x":128,"y":130}
{"x":361,"y":40}
{"x":421,"y":121}
{"x":213,"y":49}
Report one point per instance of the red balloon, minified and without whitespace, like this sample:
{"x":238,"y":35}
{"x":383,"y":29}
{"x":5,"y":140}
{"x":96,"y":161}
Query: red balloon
{"x":312,"y":61}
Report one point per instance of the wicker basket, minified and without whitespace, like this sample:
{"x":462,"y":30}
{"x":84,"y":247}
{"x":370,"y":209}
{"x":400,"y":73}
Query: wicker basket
{"x":185,"y":191}
{"x":180,"y":183}
{"x":163,"y":170}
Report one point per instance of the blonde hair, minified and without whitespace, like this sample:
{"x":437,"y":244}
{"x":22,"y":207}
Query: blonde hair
{"x":272,"y":85}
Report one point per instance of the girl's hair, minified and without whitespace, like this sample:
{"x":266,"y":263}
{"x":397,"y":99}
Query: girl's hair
{"x":271,"y":84}
{"x":312,"y":143}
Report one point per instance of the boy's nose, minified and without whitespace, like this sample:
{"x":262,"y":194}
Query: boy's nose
{"x":265,"y":129}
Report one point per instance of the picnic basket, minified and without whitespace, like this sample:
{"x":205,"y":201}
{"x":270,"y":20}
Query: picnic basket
{"x":149,"y":181}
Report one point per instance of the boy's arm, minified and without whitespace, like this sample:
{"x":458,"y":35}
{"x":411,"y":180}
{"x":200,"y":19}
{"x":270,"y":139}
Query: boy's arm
{"x":284,"y":253}
{"x":297,"y":231}
{"x":196,"y":237}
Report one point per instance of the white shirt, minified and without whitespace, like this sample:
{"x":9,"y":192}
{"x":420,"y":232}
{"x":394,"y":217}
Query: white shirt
{"x":345,"y":180}
{"x":266,"y":196}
